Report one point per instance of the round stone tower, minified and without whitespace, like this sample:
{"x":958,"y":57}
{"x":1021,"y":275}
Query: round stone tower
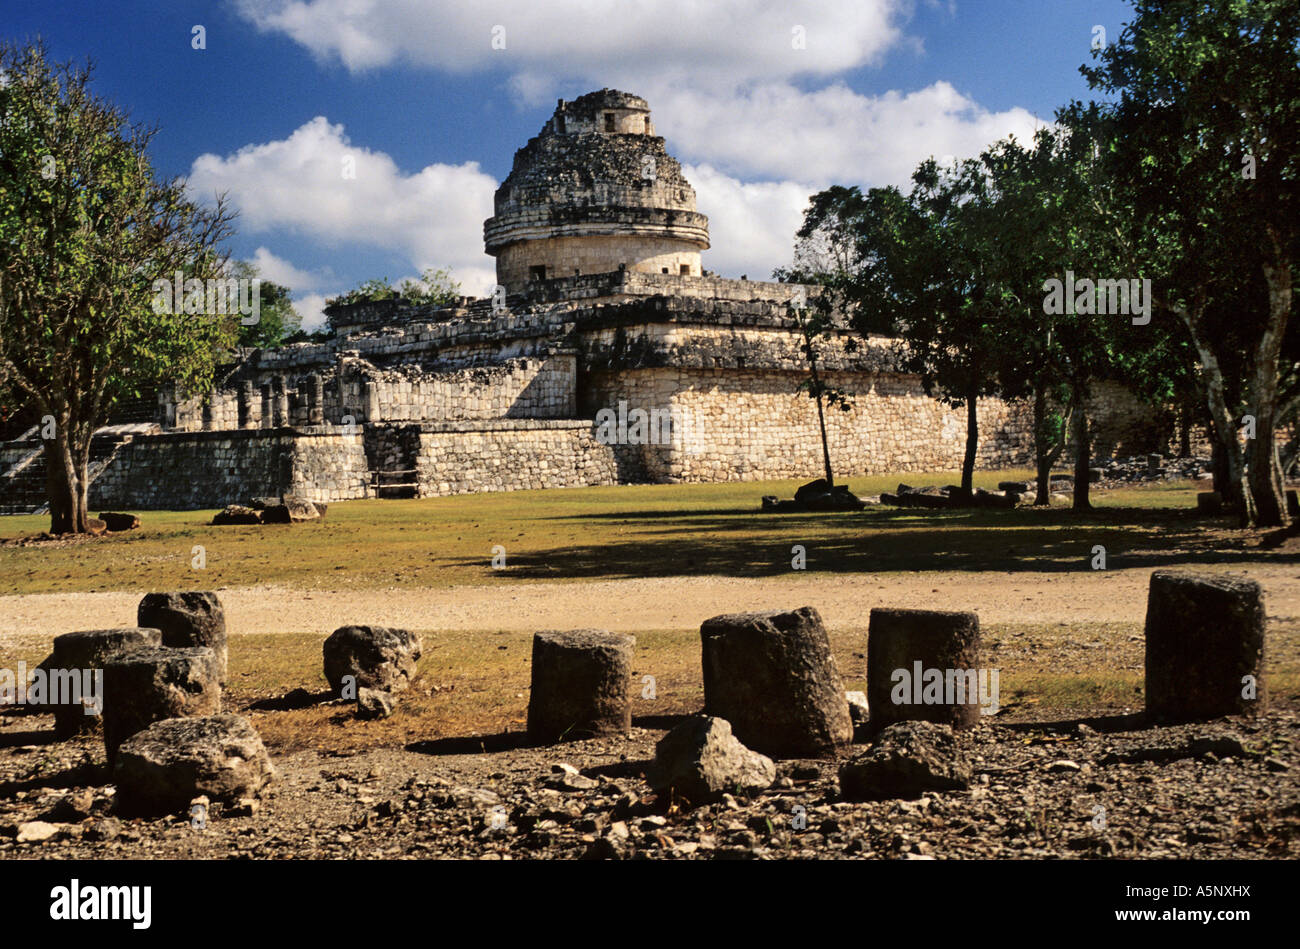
{"x":595,"y":191}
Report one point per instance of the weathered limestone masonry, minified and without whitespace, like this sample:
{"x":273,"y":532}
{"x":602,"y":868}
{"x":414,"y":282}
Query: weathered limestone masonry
{"x":602,"y":306}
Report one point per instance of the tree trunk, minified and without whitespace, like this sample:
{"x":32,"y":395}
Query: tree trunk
{"x":972,"y":445}
{"x":1235,"y":489}
{"x":61,"y":484}
{"x":1048,"y":446}
{"x":1082,"y":450}
{"x":1265,"y":481}
{"x":826,"y":451}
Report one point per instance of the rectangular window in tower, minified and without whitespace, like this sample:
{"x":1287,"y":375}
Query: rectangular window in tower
{"x":609,"y":121}
{"x":538,"y":272}
{"x":686,"y":270}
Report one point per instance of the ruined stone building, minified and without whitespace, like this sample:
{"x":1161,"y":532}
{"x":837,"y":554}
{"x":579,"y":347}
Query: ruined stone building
{"x":606,"y":306}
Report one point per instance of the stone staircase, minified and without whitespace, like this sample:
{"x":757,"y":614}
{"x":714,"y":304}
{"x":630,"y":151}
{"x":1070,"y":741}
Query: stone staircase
{"x":22,"y":481}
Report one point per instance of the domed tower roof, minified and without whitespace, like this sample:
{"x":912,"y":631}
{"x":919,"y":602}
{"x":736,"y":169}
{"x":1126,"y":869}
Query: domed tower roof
{"x":594,"y":191}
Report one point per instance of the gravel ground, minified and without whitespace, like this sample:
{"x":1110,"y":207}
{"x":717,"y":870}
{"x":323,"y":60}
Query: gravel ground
{"x":1070,"y":789}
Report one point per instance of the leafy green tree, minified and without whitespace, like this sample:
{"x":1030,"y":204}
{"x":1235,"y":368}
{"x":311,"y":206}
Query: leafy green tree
{"x":277,"y":318}
{"x":435,"y":288}
{"x":85,"y":230}
{"x":1207,"y":157}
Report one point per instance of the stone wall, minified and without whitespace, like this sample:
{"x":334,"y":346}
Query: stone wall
{"x":573,"y":256}
{"x":470,"y":457}
{"x":749,"y":425}
{"x":212,"y":469}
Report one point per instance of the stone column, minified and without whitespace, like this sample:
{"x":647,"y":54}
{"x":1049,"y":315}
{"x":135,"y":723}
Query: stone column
{"x":580,"y":685}
{"x":1204,"y":646}
{"x":315,"y":399}
{"x":281,"y":408}
{"x":246,"y":419}
{"x":923,"y":665}
{"x":372,"y":402}
{"x":268,"y":403}
{"x":207,"y":412}
{"x":773,"y":677}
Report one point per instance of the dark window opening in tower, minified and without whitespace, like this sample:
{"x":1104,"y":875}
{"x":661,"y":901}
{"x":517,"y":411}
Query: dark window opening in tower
{"x":663,"y":269}
{"x":646,"y":120}
{"x":559,"y":124}
{"x":537,"y":273}
{"x":686,"y":270}
{"x":609,"y":121}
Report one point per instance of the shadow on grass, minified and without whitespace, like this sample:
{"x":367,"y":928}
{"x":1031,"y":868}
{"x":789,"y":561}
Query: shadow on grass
{"x":471,"y":744}
{"x":292,"y":701}
{"x":745,"y":543}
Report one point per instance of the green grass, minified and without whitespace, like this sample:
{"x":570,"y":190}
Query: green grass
{"x":616,"y":532}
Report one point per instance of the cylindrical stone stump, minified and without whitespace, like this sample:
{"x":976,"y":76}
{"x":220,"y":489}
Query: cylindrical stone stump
{"x":188,"y":619}
{"x":772,"y":676}
{"x":923,"y":665}
{"x":146,"y":685}
{"x":82,"y":656}
{"x":580,"y":685}
{"x":1204,"y":646}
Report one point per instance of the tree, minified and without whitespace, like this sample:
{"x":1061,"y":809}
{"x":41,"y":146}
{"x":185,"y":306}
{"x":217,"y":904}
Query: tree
{"x":85,"y":230}
{"x":435,"y":288}
{"x":1208,"y":147}
{"x":817,"y":324}
{"x":277,"y":318}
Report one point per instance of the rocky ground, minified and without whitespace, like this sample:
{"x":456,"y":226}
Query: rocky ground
{"x":1102,"y":787}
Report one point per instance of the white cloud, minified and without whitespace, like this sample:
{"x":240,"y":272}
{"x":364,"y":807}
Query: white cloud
{"x":831,"y":135}
{"x":278,"y":270}
{"x":311,"y":307}
{"x":592,"y":37}
{"x":433,"y":218}
{"x":751,"y":226}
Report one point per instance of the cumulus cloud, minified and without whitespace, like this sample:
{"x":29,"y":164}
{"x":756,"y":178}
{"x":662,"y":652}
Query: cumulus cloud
{"x":278,"y":270}
{"x":317,"y":184}
{"x":751,"y":225}
{"x":829,"y":135}
{"x":763,"y":38}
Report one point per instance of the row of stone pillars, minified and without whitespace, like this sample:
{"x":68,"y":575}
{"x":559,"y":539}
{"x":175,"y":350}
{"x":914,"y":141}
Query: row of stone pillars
{"x":274,"y":405}
{"x":773,"y":678}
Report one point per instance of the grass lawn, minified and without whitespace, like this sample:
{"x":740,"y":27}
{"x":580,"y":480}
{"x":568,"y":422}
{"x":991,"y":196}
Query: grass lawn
{"x":611,"y":533}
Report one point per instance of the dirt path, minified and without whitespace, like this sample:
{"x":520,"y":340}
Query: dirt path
{"x":659,"y":603}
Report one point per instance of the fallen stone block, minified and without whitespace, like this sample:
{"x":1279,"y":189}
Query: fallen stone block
{"x":701,"y":759}
{"x":165,"y":766}
{"x":373,"y":703}
{"x":115,"y":521}
{"x":236,"y":514}
{"x":772,"y":676}
{"x":907,"y":760}
{"x":378,"y":657}
{"x":580,"y":685}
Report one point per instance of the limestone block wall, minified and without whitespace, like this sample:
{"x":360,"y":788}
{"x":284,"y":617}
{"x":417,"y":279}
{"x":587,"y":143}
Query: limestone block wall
{"x":470,"y":457}
{"x":749,"y":425}
{"x":212,"y":469}
{"x":574,"y":256}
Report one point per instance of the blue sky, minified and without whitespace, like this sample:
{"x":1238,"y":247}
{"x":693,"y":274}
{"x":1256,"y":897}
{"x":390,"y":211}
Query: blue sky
{"x":430,"y":113}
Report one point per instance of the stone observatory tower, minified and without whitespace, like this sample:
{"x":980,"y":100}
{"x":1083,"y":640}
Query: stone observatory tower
{"x":595,"y":191}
